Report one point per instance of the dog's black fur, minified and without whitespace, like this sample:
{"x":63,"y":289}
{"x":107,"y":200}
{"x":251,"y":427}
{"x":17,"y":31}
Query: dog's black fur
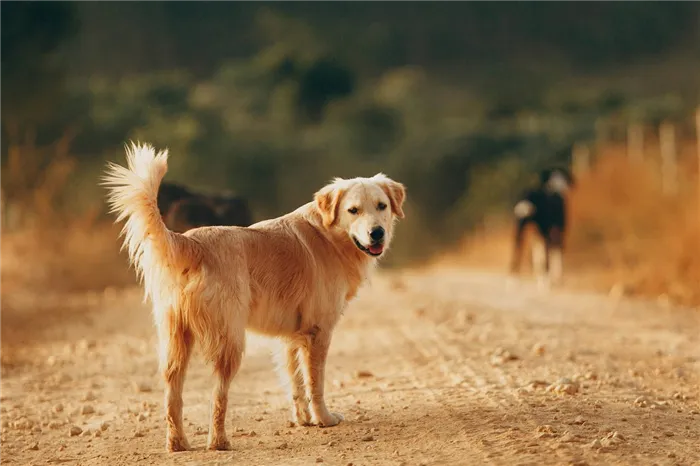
{"x":183,"y":209}
{"x":548,"y":215}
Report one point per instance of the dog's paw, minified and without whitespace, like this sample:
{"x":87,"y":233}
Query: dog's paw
{"x":330,"y":420}
{"x":174,"y":444}
{"x":220,"y":444}
{"x":301,"y":415}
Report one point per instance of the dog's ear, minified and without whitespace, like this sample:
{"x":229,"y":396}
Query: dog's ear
{"x":545,"y":175}
{"x":395,"y":191}
{"x":327,"y":201}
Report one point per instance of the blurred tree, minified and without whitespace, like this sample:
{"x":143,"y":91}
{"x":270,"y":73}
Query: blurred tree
{"x":374,"y":131}
{"x":36,"y":165}
{"x":459,"y":102}
{"x":323,"y":81}
{"x":198,"y":36}
{"x":601,"y":32}
{"x":32,"y":68}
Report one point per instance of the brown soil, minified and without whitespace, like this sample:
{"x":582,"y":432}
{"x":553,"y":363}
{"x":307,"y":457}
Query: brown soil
{"x":445,"y":366}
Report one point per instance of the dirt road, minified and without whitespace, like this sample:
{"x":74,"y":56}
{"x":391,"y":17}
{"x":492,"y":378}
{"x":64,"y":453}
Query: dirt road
{"x":439,"y":367}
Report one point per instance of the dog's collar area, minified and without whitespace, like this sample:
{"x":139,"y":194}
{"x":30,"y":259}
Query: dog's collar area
{"x":366,"y":250}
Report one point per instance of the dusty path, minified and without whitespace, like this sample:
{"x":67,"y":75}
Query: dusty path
{"x":463,"y":368}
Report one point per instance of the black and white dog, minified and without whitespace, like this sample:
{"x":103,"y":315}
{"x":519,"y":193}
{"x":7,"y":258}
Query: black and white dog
{"x":542,"y":211}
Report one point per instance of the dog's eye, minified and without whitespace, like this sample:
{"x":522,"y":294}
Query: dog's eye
{"x":353,"y":210}
{"x":381,"y":206}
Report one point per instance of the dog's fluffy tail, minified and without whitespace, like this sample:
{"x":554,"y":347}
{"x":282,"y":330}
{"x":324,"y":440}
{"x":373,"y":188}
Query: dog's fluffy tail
{"x":161,"y":257}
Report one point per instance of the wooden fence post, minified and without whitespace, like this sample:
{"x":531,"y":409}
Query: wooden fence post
{"x":580,"y":159}
{"x":635,"y":143}
{"x":3,"y":214}
{"x":601,"y":132}
{"x":669,"y":168}
{"x":697,"y":141}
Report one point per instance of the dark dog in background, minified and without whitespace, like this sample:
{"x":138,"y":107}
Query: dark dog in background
{"x":183,"y":209}
{"x":540,"y":213}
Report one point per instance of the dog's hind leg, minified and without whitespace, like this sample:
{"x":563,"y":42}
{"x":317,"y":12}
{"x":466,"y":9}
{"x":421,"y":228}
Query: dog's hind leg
{"x":555,"y":255}
{"x":176,"y":343}
{"x":556,"y":265}
{"x":292,"y":379}
{"x":314,"y":365}
{"x":539,"y":263}
{"x":517,"y":247}
{"x":226,"y":365}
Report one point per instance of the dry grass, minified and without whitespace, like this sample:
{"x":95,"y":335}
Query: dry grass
{"x":625,"y":233}
{"x":43,"y":248}
{"x":74,"y":257}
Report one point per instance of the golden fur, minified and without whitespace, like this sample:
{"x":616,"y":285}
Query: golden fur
{"x":289,"y":277}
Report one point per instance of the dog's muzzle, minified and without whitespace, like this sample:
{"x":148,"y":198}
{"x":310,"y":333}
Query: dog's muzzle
{"x":376,"y":247}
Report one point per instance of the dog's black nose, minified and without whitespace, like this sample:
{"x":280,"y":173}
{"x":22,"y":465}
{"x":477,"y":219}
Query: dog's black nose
{"x":377,"y":234}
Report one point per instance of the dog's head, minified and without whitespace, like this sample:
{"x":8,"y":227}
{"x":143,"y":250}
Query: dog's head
{"x":556,"y":180}
{"x":364,"y":208}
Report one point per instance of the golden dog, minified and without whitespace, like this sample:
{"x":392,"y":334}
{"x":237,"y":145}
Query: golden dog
{"x":289,"y":277}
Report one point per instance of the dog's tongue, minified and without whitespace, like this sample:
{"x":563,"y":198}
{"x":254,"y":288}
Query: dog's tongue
{"x":376,"y":248}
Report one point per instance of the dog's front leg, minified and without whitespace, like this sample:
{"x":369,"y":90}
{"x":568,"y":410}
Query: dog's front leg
{"x":292,"y":379}
{"x":314,"y":364}
{"x":555,"y":265}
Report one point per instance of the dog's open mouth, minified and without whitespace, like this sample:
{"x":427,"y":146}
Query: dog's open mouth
{"x":373,"y":250}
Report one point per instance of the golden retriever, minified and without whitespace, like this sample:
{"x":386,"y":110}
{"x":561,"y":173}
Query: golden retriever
{"x":290,"y":277}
